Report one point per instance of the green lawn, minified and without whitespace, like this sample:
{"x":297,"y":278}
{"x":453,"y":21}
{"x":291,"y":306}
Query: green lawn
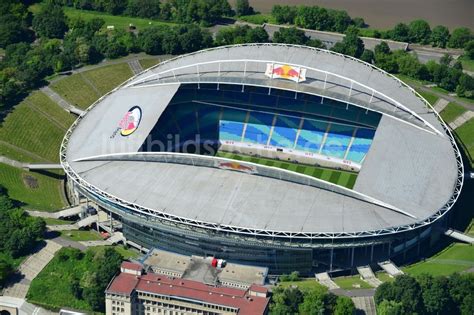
{"x":127,"y":253}
{"x":451,"y":112}
{"x":108,"y":77}
{"x":52,"y":221}
{"x":384,"y":277}
{"x":441,"y":90}
{"x":83,"y":89}
{"x":467,"y":64}
{"x":303,"y":285}
{"x":352,"y":282}
{"x":148,"y":62}
{"x":455,"y":258}
{"x":119,"y":22}
{"x":431,"y":98}
{"x":36,"y":125}
{"x":470,"y":228}
{"x":41,"y":192}
{"x":81,"y":235}
{"x":465,"y":134}
{"x":258,"y":18}
{"x":342,"y":178}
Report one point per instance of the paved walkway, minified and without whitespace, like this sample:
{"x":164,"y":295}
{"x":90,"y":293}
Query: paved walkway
{"x":461,"y":120}
{"x":23,"y":307}
{"x":365,"y":305}
{"x":440,"y":104}
{"x":135,"y":66}
{"x":29,"y":269}
{"x":11,"y":162}
{"x":61,"y":101}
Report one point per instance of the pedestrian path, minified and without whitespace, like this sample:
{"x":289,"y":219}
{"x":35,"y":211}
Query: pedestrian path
{"x":324,"y":279}
{"x":61,"y":101}
{"x":135,"y":66}
{"x":368,"y":276}
{"x":461,"y":120}
{"x":365,"y":304}
{"x":460,"y":236}
{"x":390,"y":268}
{"x":29,"y":269}
{"x":440,"y":104}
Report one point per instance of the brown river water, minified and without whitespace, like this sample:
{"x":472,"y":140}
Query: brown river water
{"x":384,"y":14}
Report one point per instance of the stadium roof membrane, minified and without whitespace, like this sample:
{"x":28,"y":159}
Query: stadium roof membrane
{"x":413,"y":165}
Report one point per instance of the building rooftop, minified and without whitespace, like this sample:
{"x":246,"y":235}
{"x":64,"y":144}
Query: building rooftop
{"x":398,"y":169}
{"x":242,"y":300}
{"x":160,"y":259}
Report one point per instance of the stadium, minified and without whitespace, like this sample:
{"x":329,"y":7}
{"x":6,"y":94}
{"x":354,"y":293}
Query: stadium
{"x":275,"y":155}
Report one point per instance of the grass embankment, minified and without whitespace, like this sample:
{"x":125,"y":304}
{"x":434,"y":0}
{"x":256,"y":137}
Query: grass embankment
{"x":352,"y":282}
{"x":430,"y":97}
{"x":303,"y":284}
{"x":148,"y":62}
{"x":455,"y":258}
{"x":465,"y":135}
{"x":81,"y":235}
{"x":52,"y":221}
{"x":33,"y":131}
{"x":342,"y":178}
{"x":83,"y":89}
{"x":119,"y":22}
{"x":33,"y":190}
{"x":451,"y":112}
{"x":384,"y":277}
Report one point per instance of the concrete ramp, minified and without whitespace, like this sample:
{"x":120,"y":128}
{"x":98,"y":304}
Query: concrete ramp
{"x":324,"y":279}
{"x":44,"y":166}
{"x":459,"y":236}
{"x":87,"y":221}
{"x":391,"y":268}
{"x":69,"y":212}
{"x":368,"y":276}
{"x":116,"y":238}
{"x":365,"y":305}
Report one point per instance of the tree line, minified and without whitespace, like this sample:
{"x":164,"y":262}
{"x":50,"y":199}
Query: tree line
{"x":426,"y":294}
{"x":318,"y":300}
{"x":417,"y":31}
{"x":62,"y":44}
{"x":19,"y":234}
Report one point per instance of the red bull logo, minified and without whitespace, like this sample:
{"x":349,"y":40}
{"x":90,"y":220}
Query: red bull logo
{"x":235,"y":166}
{"x":280,"y":71}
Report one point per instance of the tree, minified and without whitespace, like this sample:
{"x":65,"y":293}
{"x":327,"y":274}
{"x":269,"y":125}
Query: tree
{"x":390,"y":308}
{"x":243,"y":8}
{"x":351,"y":45}
{"x":460,"y":37}
{"x":344,"y":306}
{"x":286,"y":301}
{"x":50,"y":22}
{"x":465,"y":87}
{"x":290,"y":35}
{"x":114,"y":7}
{"x":359,"y":22}
{"x":368,"y":56}
{"x":440,"y":36}
{"x":436,"y":295}
{"x":284,"y":14}
{"x":400,"y":32}
{"x":5,"y":271}
{"x":419,"y":32}
{"x":257,"y":35}
{"x":13,"y":30}
{"x":469,"y":50}
{"x":144,"y":8}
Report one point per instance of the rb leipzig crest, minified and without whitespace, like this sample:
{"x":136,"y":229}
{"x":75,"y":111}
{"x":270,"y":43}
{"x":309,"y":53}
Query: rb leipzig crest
{"x":130,"y":121}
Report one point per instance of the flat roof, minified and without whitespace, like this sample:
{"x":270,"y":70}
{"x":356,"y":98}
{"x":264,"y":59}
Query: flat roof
{"x":409,"y":166}
{"x":166,"y":260}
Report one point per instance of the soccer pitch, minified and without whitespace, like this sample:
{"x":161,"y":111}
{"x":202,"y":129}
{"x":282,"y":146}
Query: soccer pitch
{"x":341,"y":178}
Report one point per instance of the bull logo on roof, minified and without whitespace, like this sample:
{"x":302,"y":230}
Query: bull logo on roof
{"x":280,"y":71}
{"x":130,"y":121}
{"x":235,"y":166}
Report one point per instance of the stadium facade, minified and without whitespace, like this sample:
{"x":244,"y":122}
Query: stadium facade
{"x":153,"y":152}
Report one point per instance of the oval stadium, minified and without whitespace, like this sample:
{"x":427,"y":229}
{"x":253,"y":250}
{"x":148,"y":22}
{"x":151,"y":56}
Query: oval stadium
{"x":275,"y":155}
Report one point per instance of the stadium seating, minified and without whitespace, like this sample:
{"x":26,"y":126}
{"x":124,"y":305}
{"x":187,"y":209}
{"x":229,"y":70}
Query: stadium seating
{"x":337,"y":140}
{"x":311,"y":136}
{"x":285,"y":131}
{"x":232,"y":124}
{"x":258,"y":127}
{"x":360,"y":145}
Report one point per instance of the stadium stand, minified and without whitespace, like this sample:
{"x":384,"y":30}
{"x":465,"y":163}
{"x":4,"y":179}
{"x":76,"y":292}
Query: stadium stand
{"x":258,"y":128}
{"x":337,"y":140}
{"x":285,"y":131}
{"x":360,"y":145}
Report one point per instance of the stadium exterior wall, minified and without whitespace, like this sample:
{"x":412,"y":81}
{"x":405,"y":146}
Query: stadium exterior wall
{"x":281,"y":252}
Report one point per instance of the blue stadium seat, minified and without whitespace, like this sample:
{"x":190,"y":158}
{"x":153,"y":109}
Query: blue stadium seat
{"x":258,"y":127}
{"x":337,"y":140}
{"x":285,"y":131}
{"x":231,"y":126}
{"x":361,"y":144}
{"x":311,"y":136}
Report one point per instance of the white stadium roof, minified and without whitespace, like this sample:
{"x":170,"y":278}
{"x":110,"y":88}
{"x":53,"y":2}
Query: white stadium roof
{"x":411,"y":175}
